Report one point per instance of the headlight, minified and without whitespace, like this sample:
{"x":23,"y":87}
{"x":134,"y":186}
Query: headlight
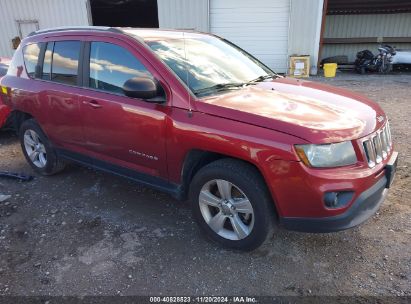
{"x":328,"y":155}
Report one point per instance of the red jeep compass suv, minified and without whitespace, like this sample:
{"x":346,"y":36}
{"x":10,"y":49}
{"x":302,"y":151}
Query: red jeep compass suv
{"x":195,"y":116}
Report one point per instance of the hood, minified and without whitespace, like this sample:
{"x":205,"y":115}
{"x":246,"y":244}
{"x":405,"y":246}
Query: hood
{"x":312,"y":111}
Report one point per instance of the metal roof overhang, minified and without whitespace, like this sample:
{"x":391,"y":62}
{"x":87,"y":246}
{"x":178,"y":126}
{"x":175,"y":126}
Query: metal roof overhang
{"x":351,"y":7}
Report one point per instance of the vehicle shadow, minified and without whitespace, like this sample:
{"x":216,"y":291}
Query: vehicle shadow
{"x":8,"y":136}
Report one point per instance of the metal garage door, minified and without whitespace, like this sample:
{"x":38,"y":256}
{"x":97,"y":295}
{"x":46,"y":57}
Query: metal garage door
{"x":259,"y":26}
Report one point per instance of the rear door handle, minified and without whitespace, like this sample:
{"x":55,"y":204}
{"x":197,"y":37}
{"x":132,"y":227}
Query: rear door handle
{"x":92,"y":103}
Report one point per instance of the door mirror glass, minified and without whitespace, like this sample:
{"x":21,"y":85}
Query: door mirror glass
{"x":141,"y":87}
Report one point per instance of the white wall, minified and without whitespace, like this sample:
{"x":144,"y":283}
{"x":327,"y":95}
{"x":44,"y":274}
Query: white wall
{"x":260,"y":27}
{"x":183,"y":14}
{"x":305,"y":29}
{"x":302,"y":20}
{"x":49,"y":13}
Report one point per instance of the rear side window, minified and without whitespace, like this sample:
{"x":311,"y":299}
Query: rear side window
{"x":31,"y":54}
{"x":111,"y":66}
{"x":65,"y":60}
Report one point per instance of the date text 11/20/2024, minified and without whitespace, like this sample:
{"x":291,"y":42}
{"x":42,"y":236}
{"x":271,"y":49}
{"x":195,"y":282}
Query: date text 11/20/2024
{"x":203,"y":299}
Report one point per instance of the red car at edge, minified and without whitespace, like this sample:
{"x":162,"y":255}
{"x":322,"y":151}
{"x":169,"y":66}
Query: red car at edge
{"x":4,"y":110}
{"x":193,"y":115}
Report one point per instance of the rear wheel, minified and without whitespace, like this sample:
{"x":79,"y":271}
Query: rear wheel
{"x":386,"y":68}
{"x":38,"y":150}
{"x":232,"y":205}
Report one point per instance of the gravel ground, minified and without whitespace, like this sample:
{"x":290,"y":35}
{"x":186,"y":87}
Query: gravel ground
{"x":84,"y":232}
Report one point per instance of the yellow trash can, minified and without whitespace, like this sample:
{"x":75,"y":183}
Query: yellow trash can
{"x":330,"y":69}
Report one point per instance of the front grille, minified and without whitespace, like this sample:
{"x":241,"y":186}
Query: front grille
{"x":378,"y":146}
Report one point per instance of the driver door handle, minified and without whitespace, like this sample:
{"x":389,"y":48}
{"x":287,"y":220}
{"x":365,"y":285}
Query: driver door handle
{"x":92,"y":103}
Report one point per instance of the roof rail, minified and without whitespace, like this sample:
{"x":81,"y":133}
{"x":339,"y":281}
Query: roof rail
{"x":76,"y":28}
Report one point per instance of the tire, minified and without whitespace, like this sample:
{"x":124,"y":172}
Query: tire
{"x":247,"y":189}
{"x":34,"y":143}
{"x":359,"y":69}
{"x":386,"y":69}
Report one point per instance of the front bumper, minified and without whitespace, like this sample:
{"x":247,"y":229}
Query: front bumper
{"x":364,"y":207}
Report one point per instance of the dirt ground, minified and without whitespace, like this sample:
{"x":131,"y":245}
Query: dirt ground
{"x":84,"y":232}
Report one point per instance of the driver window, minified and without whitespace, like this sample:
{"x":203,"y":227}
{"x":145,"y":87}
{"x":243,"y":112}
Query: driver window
{"x":111,"y":66}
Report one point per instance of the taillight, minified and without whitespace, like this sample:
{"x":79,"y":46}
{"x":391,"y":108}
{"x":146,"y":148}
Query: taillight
{"x":4,"y":94}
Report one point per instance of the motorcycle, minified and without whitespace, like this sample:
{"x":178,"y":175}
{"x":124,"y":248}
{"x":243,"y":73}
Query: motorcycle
{"x":382,"y":62}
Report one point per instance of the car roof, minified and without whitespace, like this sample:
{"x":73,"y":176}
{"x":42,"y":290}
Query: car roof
{"x":162,"y":33}
{"x":63,"y":29}
{"x":141,"y":33}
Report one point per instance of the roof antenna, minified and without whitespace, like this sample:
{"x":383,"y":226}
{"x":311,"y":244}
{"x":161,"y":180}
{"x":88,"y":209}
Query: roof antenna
{"x":190,"y":112}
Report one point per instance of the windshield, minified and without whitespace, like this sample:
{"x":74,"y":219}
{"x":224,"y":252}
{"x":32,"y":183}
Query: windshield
{"x":211,"y":62}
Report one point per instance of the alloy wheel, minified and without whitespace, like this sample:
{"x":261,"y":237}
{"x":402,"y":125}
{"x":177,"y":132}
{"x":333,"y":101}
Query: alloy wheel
{"x":226,"y":209}
{"x":35,"y":149}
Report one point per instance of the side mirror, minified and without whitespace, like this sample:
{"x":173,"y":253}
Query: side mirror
{"x":141,"y":87}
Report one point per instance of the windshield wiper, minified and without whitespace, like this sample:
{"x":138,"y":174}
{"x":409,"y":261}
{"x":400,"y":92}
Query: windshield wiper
{"x":219,"y":87}
{"x":224,"y":86}
{"x":262,"y":78}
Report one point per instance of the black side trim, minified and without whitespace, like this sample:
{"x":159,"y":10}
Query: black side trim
{"x":81,"y":63}
{"x":156,"y":183}
{"x":86,"y":65}
{"x":40,"y":61}
{"x":361,"y":210}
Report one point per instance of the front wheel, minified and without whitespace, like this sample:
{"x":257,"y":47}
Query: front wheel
{"x":360,"y":69}
{"x":232,"y":205}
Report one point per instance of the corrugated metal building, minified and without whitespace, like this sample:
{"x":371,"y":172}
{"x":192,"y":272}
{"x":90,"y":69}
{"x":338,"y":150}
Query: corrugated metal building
{"x":354,"y":25}
{"x":271,"y":30}
{"x":305,"y":29}
{"x":184,"y":14}
{"x":21,"y":17}
{"x":343,"y":28}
